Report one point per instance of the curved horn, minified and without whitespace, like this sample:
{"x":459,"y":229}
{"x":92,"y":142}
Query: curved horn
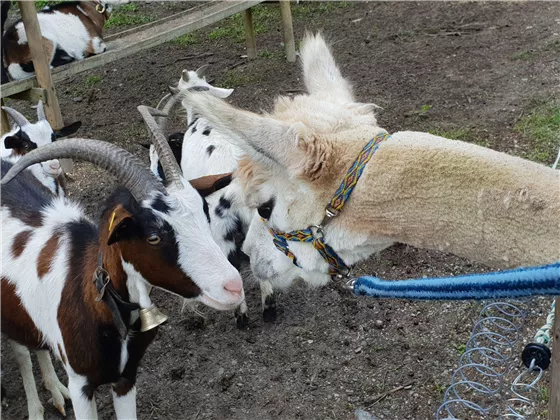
{"x":18,"y":118}
{"x":41,"y":111}
{"x":170,"y":166}
{"x":127,"y":168}
{"x":201,"y":71}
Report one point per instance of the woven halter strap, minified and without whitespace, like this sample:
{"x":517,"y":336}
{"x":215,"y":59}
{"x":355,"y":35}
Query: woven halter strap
{"x":314,"y":234}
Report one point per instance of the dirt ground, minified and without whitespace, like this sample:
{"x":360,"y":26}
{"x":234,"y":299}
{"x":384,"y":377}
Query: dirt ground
{"x":472,"y":69}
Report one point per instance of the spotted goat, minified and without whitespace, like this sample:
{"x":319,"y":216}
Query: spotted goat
{"x":23,"y":138}
{"x":83,"y":296}
{"x":71,"y":31}
{"x":203,"y":151}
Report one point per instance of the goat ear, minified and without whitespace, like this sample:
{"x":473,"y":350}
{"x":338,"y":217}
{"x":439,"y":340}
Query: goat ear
{"x":220,"y":92}
{"x":13,"y":142}
{"x":207,"y":185}
{"x":67,"y":130}
{"x":264,"y":139}
{"x":121,"y":225}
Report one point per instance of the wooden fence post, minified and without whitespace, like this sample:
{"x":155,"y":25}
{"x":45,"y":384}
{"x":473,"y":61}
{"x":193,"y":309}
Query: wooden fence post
{"x":4,"y":118}
{"x":288,"y":28}
{"x":554,"y":402}
{"x":42,"y":70}
{"x":249,"y":33}
{"x":40,"y":62}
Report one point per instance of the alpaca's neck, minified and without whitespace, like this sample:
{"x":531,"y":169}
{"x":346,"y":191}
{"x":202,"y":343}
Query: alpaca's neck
{"x":433,"y":193}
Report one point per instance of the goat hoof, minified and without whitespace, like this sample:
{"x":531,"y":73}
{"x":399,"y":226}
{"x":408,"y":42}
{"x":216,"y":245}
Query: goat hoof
{"x":242,"y":321}
{"x":269,"y":314}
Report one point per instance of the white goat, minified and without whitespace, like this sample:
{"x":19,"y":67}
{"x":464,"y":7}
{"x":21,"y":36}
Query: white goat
{"x":23,"y":138}
{"x":71,"y":31}
{"x":203,"y":151}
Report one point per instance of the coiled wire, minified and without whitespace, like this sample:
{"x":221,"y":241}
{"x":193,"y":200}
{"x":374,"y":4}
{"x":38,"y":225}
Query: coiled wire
{"x":476,"y":385}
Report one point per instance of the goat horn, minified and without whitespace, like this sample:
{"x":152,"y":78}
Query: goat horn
{"x":41,"y":111}
{"x":201,"y":70}
{"x":170,"y":166}
{"x":18,"y":118}
{"x":127,"y":168}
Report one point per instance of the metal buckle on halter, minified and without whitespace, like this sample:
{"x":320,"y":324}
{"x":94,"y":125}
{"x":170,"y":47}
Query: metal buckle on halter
{"x":350,"y":284}
{"x":318,"y":231}
{"x":98,"y":278}
{"x":342,"y":276}
{"x":331,"y":212}
{"x":100,"y":8}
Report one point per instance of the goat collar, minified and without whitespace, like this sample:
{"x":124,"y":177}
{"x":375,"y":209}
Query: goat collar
{"x":111,"y":297}
{"x":100,"y":6}
{"x":316,"y":233}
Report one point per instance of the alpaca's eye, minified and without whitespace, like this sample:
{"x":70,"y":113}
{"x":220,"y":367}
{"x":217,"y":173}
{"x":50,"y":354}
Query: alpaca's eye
{"x":153,"y":240}
{"x":265,"y":211}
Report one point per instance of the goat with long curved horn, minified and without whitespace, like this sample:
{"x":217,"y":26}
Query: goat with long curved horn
{"x":127,"y":168}
{"x":170,"y":166}
{"x":18,"y":118}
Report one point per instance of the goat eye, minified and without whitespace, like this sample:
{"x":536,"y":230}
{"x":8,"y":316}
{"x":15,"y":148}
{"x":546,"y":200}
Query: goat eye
{"x":153,"y":240}
{"x":265,"y":211}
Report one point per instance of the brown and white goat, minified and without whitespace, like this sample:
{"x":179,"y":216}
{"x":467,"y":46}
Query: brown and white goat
{"x":418,"y":189}
{"x":23,"y":138}
{"x":148,"y":235}
{"x":71,"y":31}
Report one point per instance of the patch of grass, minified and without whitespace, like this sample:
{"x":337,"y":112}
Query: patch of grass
{"x":440,"y":389}
{"x":266,"y":17}
{"x":235,"y":78}
{"x":461,"y":348}
{"x":464,"y":134}
{"x":543,"y":393}
{"x":185,"y":40}
{"x":92,"y":80}
{"x":553,"y":46}
{"x":127,"y":15}
{"x":541,"y":127}
{"x":270,"y":54}
{"x":524,"y":55}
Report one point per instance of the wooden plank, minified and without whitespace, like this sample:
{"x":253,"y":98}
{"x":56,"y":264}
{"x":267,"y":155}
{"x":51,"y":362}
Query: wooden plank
{"x":249,"y":34}
{"x":288,"y":29}
{"x":5,"y":124}
{"x":32,"y":95}
{"x":40,"y":62}
{"x":139,"y":41}
{"x":554,"y":402}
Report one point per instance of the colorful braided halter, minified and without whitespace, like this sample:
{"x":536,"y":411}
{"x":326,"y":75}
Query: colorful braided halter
{"x":315,"y":233}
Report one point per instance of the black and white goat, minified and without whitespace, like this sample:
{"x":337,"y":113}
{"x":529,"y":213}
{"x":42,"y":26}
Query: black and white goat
{"x":203,"y":151}
{"x":71,"y":31}
{"x":26,"y":136}
{"x":15,"y":144}
{"x":80,"y":295}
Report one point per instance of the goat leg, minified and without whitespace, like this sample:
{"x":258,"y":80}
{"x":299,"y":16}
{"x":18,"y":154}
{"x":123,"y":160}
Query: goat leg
{"x":58,"y":391}
{"x":268,"y":301}
{"x":23,"y":360}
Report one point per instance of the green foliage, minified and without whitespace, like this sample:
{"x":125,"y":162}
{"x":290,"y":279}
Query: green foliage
{"x":127,"y":15}
{"x":541,"y":126}
{"x":92,"y":81}
{"x":185,"y":40}
{"x":235,"y":78}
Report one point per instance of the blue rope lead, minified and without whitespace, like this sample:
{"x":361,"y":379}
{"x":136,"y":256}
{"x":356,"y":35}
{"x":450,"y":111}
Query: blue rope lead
{"x":530,"y":281}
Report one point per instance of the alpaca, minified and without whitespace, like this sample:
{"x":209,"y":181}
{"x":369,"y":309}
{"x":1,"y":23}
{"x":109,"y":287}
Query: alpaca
{"x":418,"y":189}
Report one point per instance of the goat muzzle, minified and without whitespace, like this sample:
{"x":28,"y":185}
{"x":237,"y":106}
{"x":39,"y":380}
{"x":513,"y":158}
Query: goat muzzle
{"x":151,"y":318}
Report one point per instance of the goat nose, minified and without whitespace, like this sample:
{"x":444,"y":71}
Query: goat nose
{"x":234,"y":286}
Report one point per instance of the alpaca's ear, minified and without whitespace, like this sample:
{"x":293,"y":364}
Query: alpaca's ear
{"x":264,"y":139}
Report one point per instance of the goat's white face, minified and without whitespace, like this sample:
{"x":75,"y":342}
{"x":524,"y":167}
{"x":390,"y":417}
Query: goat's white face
{"x":294,"y":162}
{"x":190,"y":79}
{"x":199,"y":257}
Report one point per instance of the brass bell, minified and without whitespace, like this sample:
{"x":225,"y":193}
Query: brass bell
{"x":151,"y":317}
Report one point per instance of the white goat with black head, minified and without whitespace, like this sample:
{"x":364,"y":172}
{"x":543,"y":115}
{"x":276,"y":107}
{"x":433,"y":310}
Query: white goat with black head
{"x":203,"y":151}
{"x":71,"y":31}
{"x":22,"y":139}
{"x":26,"y":136}
{"x":148,"y":235}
